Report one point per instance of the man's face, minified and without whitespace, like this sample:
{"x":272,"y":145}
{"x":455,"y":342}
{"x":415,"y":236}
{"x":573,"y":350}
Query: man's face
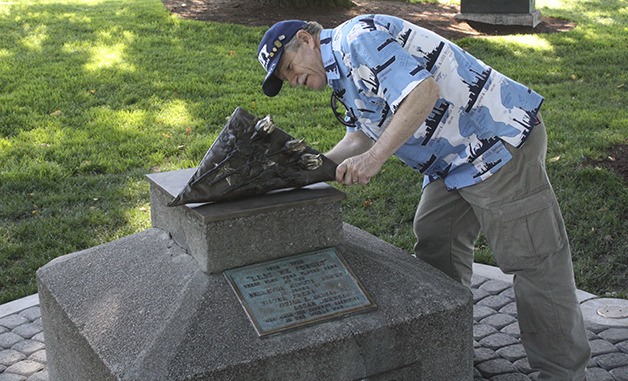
{"x":303,"y":67}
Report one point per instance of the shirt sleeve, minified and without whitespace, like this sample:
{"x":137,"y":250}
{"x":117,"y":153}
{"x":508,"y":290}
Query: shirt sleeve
{"x":382,"y":68}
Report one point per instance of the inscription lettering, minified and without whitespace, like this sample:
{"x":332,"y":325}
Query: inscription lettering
{"x":299,"y":290}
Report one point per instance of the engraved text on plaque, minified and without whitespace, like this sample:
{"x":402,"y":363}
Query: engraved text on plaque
{"x":298,"y":290}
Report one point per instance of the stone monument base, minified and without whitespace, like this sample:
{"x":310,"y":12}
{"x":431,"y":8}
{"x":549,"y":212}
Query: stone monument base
{"x":140,"y":309}
{"x":144,"y":308}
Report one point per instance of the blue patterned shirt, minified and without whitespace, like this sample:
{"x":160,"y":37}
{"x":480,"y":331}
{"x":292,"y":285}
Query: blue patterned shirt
{"x":374,"y":61}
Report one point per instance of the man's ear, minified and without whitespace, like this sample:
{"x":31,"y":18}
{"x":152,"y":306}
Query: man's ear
{"x":304,"y":36}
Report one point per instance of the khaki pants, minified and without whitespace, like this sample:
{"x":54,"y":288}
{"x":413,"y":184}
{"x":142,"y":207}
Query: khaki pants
{"x":517,"y":211}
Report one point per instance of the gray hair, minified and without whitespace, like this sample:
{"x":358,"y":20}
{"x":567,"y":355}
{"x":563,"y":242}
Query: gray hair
{"x":312,"y":27}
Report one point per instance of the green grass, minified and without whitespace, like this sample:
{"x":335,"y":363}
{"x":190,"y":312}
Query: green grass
{"x":97,"y":93}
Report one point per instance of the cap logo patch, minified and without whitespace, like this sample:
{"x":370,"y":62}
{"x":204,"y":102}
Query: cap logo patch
{"x":265,"y":56}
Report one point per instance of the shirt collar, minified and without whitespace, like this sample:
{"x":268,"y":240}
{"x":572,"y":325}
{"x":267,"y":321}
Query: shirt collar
{"x":329,"y":61}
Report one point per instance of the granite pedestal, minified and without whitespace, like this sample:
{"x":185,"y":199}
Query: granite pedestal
{"x":143,"y":308}
{"x":500,"y":12}
{"x":225,"y":235}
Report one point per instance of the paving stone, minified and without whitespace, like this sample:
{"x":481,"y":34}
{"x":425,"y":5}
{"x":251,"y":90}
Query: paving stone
{"x":512,"y":353}
{"x":28,"y":347}
{"x":476,"y":344}
{"x":39,"y":376}
{"x":9,"y":357}
{"x":25,"y":368}
{"x":512,"y":330}
{"x":13,"y":321}
{"x":511,"y":377}
{"x":534,"y":376}
{"x":510,"y":309}
{"x":32,"y":313}
{"x":498,"y":321}
{"x":3,"y":329}
{"x":498,"y":340}
{"x":39,"y":356}
{"x":614,"y":335}
{"x":594,"y":327}
{"x":611,"y":360}
{"x":8,"y":339}
{"x":509,"y":293}
{"x":494,"y":301}
{"x":483,"y":354}
{"x":523,"y":365}
{"x":11,"y":377}
{"x":477,"y":280}
{"x":39,"y":337}
{"x":623,"y":346}
{"x":2,"y":368}
{"x":600,"y":347}
{"x":479,"y":294}
{"x":27,"y":330}
{"x":480,"y":331}
{"x":598,"y":374}
{"x":476,"y":374}
{"x":495,"y":367}
{"x":591,"y":335}
{"x":495,"y":286}
{"x":620,"y":374}
{"x":38,"y":322}
{"x":480,"y":312}
{"x":592,"y":363}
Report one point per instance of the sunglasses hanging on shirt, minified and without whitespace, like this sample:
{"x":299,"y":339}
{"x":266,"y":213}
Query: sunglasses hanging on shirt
{"x":347,"y":118}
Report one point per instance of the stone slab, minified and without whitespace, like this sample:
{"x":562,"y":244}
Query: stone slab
{"x":497,"y":6}
{"x":140,"y":308}
{"x":236,"y":233}
{"x":531,"y":19}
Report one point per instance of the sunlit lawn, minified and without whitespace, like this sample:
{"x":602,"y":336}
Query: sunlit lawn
{"x":97,"y":93}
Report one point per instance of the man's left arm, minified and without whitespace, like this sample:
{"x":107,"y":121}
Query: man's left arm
{"x":412,"y":111}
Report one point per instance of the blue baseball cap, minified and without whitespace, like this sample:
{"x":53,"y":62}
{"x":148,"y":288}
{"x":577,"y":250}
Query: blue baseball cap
{"x":270,"y":51}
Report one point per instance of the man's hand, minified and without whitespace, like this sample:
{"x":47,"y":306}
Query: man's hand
{"x":358,"y":169}
{"x":414,"y":109}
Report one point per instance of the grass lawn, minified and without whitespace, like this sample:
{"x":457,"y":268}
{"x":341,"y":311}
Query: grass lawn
{"x":97,"y":93}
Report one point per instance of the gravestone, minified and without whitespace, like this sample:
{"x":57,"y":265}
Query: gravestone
{"x":500,"y":12}
{"x":271,"y":287}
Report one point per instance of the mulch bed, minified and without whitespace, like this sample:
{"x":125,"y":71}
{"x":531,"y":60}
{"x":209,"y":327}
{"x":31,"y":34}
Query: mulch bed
{"x":436,"y":17}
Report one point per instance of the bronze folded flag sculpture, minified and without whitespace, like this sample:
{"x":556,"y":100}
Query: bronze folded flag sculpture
{"x":252,"y":156}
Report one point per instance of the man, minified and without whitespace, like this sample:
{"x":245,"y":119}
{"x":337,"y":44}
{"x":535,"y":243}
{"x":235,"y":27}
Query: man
{"x":478,"y":138}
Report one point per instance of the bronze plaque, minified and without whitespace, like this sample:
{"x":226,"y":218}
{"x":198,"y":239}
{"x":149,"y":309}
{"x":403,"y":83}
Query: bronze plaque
{"x":303,"y":289}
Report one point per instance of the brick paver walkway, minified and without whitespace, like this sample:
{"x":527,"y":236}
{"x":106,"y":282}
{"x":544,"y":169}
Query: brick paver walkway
{"x":499,"y":355}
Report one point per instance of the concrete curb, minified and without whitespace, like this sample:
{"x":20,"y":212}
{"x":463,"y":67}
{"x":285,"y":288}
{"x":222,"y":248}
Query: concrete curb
{"x":18,"y":305}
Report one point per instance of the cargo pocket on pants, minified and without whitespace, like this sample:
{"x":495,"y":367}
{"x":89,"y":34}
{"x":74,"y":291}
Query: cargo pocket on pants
{"x":527,"y":231}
